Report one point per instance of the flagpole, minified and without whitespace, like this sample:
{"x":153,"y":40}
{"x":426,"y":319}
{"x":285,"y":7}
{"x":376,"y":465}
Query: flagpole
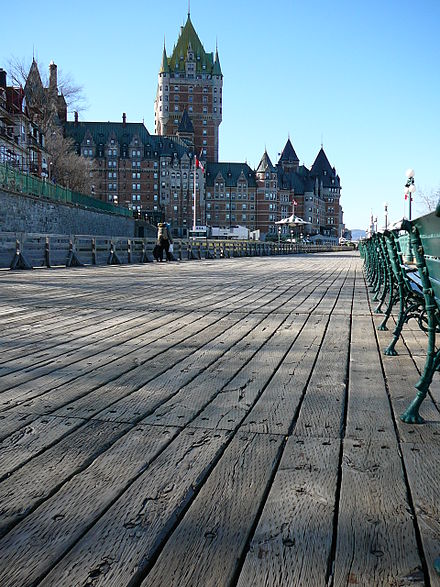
{"x":194,"y":196}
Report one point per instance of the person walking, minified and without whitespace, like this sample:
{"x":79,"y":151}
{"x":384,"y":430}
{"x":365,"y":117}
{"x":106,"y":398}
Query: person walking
{"x":164,"y":240}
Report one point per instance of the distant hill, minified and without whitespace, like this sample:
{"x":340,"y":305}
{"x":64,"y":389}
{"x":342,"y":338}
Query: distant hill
{"x":356,"y":234}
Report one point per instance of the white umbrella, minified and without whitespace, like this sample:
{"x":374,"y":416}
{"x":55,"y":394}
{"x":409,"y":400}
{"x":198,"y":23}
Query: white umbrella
{"x":292,"y":221}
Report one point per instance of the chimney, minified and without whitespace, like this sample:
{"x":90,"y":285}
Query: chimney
{"x":2,"y":78}
{"x":53,"y":78}
{"x":124,"y":119}
{"x":76,"y":117}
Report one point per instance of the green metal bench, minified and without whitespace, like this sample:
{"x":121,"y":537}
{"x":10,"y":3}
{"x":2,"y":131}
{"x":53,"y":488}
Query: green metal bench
{"x":403,"y":265}
{"x":425,"y":243}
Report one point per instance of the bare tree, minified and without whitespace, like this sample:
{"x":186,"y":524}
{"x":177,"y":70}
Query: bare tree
{"x":18,"y":71}
{"x":427,"y":201}
{"x":66,"y":167}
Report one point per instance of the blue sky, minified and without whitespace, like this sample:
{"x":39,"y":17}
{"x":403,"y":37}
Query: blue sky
{"x":364,"y":77}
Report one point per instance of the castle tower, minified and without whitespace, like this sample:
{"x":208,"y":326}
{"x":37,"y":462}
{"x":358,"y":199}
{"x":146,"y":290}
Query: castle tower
{"x":191,"y":80}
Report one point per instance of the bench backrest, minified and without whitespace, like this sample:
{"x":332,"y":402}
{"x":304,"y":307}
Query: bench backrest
{"x":428,"y":227}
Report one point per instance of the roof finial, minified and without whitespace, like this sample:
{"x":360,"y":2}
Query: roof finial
{"x":322,"y":141}
{"x":189,"y":8}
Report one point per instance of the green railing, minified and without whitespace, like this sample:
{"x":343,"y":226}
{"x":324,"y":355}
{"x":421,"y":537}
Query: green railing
{"x":13,"y":180}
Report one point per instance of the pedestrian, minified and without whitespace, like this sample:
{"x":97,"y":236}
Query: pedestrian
{"x":164,"y":240}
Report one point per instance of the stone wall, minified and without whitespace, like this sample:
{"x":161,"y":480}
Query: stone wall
{"x":21,"y":213}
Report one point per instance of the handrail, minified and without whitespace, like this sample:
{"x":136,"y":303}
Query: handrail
{"x":16,"y":181}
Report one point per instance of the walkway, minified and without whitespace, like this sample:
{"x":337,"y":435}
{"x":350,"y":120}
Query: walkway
{"x":211,"y":423}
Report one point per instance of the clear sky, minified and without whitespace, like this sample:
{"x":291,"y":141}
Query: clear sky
{"x":361,"y":76}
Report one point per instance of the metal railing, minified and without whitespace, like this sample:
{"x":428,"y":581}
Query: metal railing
{"x":27,"y":251}
{"x":13,"y":180}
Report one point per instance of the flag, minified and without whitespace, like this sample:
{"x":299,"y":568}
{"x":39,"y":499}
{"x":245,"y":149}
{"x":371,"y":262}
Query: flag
{"x":199,"y":164}
{"x":294,"y":202}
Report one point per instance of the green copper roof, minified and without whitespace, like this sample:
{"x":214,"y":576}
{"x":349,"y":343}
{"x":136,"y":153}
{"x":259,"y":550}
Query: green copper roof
{"x":216,"y":70}
{"x":164,"y":65}
{"x":189,"y":40}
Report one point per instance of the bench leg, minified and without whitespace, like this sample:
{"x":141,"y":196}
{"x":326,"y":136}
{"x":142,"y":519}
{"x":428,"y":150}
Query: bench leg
{"x":403,"y":317}
{"x":391,"y":301}
{"x":411,"y":414}
{"x":387,"y":285}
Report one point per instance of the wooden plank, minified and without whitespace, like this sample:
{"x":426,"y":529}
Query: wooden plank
{"x":322,"y":410}
{"x":35,"y":545}
{"x":130,"y":532}
{"x":99,"y":347}
{"x":148,"y":396}
{"x":107,"y":364}
{"x":10,"y":422}
{"x":369,"y":412}
{"x":293,"y":540}
{"x":402,"y":375}
{"x":102,"y":387}
{"x":96,"y":334}
{"x":421,"y":461}
{"x":192,"y":398}
{"x":249,"y":396}
{"x":276,"y":408}
{"x":207,"y":544}
{"x":30,"y":485}
{"x":32,"y":439}
{"x":376,"y":542}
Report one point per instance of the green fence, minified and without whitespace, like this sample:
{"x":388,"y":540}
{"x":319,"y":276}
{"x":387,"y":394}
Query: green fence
{"x":13,"y":180}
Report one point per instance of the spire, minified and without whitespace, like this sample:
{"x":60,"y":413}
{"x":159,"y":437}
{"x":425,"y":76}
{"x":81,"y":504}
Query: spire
{"x":186,"y":125}
{"x":164,"y":68}
{"x":216,"y":70}
{"x":265,"y":164}
{"x":288,"y":155}
{"x":188,"y":36}
{"x":322,"y":168}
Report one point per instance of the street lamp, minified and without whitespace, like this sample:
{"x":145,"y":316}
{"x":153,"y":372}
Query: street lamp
{"x":386,"y":215}
{"x":410,"y":188}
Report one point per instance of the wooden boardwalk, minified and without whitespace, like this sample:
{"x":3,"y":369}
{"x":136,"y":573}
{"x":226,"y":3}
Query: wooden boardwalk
{"x":211,"y":423}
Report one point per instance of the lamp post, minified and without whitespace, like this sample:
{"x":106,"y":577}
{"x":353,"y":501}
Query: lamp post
{"x":279,"y":236}
{"x":386,"y":215}
{"x":410,"y":188}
